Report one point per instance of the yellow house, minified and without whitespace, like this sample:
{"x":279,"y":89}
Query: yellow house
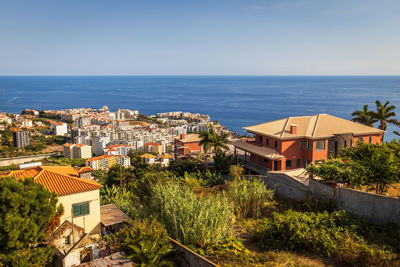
{"x":80,"y":197}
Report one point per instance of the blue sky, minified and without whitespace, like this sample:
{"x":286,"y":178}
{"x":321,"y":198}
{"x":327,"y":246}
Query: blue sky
{"x":200,"y":37}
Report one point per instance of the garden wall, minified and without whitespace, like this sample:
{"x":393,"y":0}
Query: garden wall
{"x":189,"y":257}
{"x":377,"y":208}
{"x":286,"y":186}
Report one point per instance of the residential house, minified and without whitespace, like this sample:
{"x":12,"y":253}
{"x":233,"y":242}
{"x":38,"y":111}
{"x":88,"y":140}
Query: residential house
{"x":77,"y":236}
{"x":187,"y":145}
{"x":148,"y":158}
{"x":295,"y":142}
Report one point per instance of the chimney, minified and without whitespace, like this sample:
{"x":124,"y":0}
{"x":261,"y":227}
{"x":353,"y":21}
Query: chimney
{"x":182,"y":136}
{"x":293,"y":128}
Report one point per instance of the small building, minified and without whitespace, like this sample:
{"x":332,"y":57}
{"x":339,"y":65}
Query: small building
{"x":165,"y":159}
{"x":112,"y":219}
{"x":148,"y":158}
{"x":186,"y":145}
{"x":85,"y":172}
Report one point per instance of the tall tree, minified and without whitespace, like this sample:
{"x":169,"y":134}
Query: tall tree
{"x":364,"y":116}
{"x":210,"y":139}
{"x":385,"y":114}
{"x":27,"y":211}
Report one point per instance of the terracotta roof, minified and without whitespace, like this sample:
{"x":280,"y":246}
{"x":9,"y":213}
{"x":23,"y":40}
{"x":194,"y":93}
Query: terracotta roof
{"x":100,"y":157}
{"x":316,"y":126}
{"x":152,"y":144}
{"x":166,"y":156}
{"x":58,"y":179}
{"x":189,"y":138}
{"x":68,"y":144}
{"x":85,"y":169}
{"x":261,"y":151}
{"x":148,"y":156}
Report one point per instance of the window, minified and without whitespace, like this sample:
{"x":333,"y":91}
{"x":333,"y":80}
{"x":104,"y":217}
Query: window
{"x":360,"y":138}
{"x":351,"y":143}
{"x":308,"y":145}
{"x":80,"y":209}
{"x":67,"y":240}
{"x":265,"y":160}
{"x":298,"y":163}
{"x":260,"y":139}
{"x":276,"y":144}
{"x":370,"y":139}
{"x":289,"y":164}
{"x":267,"y":141}
{"x":301,"y":145}
{"x":345,"y":143}
{"x":306,"y":162}
{"x":320,"y":145}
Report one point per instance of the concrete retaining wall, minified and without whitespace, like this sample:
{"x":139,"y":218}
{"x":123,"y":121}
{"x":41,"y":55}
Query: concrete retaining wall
{"x":189,"y":257}
{"x":22,"y":159}
{"x":377,"y":208}
{"x":285,"y":186}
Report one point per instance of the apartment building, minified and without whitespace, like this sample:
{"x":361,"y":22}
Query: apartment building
{"x":77,"y":151}
{"x":105,"y":162}
{"x":20,"y":138}
{"x":186,"y":145}
{"x":59,"y":128}
{"x":295,"y":142}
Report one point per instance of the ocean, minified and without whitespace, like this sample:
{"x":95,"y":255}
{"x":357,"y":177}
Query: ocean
{"x":235,"y":101}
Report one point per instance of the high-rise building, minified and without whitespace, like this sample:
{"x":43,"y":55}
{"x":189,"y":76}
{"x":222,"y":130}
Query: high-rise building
{"x":20,"y":138}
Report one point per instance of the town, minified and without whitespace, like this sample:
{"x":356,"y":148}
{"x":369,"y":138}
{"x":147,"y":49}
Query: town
{"x":112,"y":171}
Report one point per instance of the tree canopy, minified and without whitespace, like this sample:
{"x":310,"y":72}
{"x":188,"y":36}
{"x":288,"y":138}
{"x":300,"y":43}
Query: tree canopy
{"x":27,"y":211}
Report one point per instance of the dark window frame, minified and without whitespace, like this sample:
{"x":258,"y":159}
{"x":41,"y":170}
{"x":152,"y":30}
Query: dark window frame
{"x":84,"y":209}
{"x":288,"y":165}
{"x":320,"y":149}
{"x":276,"y":144}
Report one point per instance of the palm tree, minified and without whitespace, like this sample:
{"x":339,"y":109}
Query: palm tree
{"x":364,"y":116}
{"x":210,"y":139}
{"x":385,"y":114}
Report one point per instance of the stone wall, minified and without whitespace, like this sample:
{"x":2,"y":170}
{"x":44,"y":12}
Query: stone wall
{"x":22,"y":159}
{"x":340,"y":141}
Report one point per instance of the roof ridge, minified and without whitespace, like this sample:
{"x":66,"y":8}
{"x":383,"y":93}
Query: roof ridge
{"x":67,"y":176}
{"x":284,"y":126}
{"x":315,"y":126}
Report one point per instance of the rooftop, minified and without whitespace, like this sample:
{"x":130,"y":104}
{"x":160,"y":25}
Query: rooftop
{"x":261,"y":151}
{"x":111,"y":214}
{"x":59,"y":179}
{"x":316,"y":126}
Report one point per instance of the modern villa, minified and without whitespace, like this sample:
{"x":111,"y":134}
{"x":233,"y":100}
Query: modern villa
{"x":295,"y":142}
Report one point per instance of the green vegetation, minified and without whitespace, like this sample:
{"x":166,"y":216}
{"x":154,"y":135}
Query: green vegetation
{"x":210,"y":139}
{"x":338,"y":234}
{"x":145,"y":243}
{"x":251,"y":198}
{"x":179,"y":167}
{"x":27,"y":214}
{"x":61,"y":161}
{"x":384,"y":114}
{"x":365,"y":164}
{"x":189,"y":219}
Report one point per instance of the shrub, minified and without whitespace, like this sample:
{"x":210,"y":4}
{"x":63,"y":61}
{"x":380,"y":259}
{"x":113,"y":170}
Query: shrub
{"x":179,"y":167}
{"x":336,"y":234}
{"x":124,"y":200}
{"x":190,"y":220}
{"x":251,"y":198}
{"x":145,"y":243}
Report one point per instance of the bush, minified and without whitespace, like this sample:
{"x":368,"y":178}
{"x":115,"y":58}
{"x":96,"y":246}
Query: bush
{"x":145,"y":243}
{"x":336,"y":234}
{"x":179,"y":167}
{"x":124,"y":200}
{"x":251,"y":198}
{"x":190,"y":220}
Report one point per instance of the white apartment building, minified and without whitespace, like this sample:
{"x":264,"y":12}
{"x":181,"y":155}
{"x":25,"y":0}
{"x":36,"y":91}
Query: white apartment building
{"x":77,"y":151}
{"x":59,"y":128}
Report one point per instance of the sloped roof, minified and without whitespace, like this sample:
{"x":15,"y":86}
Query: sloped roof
{"x":85,"y":169}
{"x":189,"y":138}
{"x":316,"y":126}
{"x":111,"y":214}
{"x":261,"y":151}
{"x":61,"y":180}
{"x":147,"y":156}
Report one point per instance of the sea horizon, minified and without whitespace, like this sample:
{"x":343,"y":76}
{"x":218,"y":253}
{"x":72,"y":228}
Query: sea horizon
{"x":235,"y":101}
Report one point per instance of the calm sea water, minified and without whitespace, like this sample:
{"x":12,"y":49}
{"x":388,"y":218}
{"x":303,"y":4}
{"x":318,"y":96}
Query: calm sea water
{"x":234,"y":101}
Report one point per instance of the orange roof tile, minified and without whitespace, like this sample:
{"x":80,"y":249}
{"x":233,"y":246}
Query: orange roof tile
{"x":100,"y":157}
{"x":152,"y":144}
{"x":59,"y":179}
{"x":85,"y":169}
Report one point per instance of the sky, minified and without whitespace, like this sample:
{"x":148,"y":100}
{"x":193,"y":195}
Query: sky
{"x":200,"y":37}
